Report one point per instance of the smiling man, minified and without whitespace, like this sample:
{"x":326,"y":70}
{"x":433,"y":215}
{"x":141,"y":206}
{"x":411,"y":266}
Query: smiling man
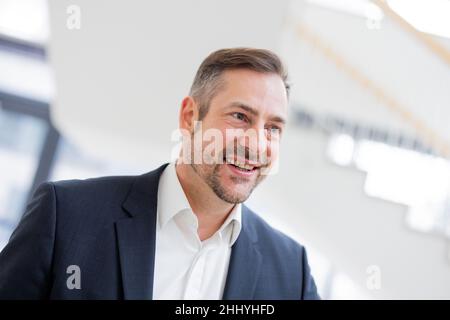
{"x":182,"y":230}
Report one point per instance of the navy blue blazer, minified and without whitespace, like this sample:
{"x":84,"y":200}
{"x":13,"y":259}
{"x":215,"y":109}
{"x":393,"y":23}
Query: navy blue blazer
{"x":106,"y":226}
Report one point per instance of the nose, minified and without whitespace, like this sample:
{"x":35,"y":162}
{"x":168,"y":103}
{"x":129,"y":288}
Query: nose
{"x":256,"y":144}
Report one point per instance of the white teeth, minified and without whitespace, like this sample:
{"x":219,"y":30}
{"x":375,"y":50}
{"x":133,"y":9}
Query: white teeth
{"x":247,"y":167}
{"x":240,"y":164}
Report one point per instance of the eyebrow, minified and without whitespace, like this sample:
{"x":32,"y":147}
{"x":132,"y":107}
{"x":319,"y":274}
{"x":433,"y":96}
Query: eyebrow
{"x":253,"y":111}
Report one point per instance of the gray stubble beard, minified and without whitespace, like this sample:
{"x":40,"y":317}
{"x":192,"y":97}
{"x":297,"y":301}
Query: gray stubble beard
{"x":213,"y":181}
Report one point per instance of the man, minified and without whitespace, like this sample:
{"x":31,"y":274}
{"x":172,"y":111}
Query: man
{"x":180,"y":231}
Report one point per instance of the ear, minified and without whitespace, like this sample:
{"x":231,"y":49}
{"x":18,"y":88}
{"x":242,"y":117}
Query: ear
{"x":188,"y":113}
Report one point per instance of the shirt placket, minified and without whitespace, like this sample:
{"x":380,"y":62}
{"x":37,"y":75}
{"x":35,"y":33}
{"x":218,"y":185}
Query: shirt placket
{"x":197,"y":271}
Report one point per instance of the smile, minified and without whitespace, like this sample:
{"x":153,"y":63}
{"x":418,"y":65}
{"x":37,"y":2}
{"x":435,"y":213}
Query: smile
{"x":241,"y":168}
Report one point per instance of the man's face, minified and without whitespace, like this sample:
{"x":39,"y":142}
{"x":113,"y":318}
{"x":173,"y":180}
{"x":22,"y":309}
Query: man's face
{"x":249,"y":111}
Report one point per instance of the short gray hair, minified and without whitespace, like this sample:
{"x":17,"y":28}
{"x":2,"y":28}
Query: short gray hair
{"x":207,"y":79}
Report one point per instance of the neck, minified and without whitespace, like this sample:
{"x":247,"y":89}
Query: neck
{"x":211,"y":211}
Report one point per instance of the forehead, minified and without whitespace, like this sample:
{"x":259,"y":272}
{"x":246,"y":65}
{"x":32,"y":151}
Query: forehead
{"x":263,"y":91}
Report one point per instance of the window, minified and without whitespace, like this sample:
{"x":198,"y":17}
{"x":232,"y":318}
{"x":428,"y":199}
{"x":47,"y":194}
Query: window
{"x":21,"y":138}
{"x":25,"y":20}
{"x":73,"y":163}
{"x":417,"y":180}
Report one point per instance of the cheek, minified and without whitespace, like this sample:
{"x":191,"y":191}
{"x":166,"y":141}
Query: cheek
{"x":226,"y":139}
{"x":274,"y":148}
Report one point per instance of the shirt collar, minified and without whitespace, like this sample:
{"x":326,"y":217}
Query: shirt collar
{"x":172,"y":201}
{"x":234,"y":220}
{"x":171,"y":197}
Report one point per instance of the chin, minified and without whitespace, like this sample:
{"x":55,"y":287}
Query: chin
{"x":236,"y":195}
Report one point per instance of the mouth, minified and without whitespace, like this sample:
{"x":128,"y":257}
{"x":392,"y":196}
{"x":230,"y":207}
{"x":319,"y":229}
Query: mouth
{"x":241,"y":168}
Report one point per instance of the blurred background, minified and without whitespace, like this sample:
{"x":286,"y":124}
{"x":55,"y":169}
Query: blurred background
{"x":93,"y":88}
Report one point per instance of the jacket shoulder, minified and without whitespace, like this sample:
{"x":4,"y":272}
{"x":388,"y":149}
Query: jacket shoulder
{"x":284,"y":257}
{"x":91,"y":203}
{"x":269,"y":236}
{"x":106,"y":184}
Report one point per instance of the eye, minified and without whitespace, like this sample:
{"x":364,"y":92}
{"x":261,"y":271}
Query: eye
{"x":239,"y":116}
{"x":273,"y":131}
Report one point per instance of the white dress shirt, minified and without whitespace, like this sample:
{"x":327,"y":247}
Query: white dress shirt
{"x":185,"y":266}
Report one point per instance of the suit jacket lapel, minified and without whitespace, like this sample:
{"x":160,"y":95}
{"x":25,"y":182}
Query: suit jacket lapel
{"x":136,"y":236}
{"x":245,"y":264}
